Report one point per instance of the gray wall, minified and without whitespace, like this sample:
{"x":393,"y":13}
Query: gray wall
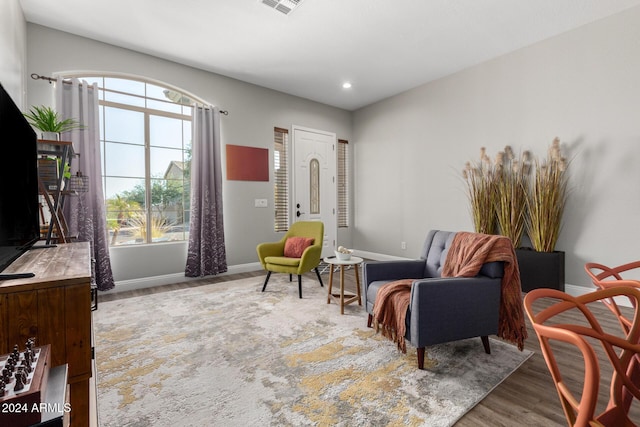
{"x":582,"y":86}
{"x":13,"y":45}
{"x":253,"y":113}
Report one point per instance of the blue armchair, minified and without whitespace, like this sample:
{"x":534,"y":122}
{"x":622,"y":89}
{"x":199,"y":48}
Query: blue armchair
{"x":440,"y":309}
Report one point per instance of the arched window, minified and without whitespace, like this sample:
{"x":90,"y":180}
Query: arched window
{"x":145,"y":142}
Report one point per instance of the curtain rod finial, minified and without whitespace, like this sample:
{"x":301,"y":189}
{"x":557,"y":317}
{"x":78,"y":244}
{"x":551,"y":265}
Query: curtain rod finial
{"x":35,"y":76}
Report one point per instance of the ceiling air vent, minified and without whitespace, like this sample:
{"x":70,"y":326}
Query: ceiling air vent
{"x":283,"y":6}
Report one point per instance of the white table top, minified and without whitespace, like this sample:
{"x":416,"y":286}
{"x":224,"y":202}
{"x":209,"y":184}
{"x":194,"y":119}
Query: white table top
{"x":335,"y":261}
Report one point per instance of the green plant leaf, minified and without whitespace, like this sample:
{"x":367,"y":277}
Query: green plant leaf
{"x":47,"y":120}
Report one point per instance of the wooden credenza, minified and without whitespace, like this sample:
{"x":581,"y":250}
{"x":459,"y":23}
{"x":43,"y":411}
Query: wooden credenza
{"x":55,"y":307}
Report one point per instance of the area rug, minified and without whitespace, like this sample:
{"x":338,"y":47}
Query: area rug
{"x":227,"y":354}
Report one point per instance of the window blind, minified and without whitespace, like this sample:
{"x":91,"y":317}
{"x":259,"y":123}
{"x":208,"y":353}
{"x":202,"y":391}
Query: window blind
{"x":281,"y":178}
{"x":343,"y":183}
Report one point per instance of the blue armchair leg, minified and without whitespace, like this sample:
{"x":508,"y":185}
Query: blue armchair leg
{"x":266,"y":280}
{"x":420,"y":352}
{"x":485,"y":343}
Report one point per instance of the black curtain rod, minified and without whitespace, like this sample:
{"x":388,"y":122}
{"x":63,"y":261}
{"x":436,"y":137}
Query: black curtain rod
{"x":35,"y":76}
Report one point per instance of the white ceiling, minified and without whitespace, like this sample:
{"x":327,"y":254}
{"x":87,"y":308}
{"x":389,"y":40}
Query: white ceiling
{"x":381,"y":47}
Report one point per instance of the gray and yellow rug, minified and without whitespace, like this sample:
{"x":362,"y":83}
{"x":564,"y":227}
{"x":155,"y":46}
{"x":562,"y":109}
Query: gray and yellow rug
{"x":227,"y":354}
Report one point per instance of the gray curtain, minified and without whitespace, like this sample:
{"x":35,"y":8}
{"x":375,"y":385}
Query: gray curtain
{"x":206,"y":254}
{"x":85,"y":213}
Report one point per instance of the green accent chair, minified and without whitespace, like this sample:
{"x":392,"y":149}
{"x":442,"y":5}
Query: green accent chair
{"x":272,"y":257}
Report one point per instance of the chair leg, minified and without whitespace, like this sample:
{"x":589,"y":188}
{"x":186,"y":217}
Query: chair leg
{"x":420,"y":352}
{"x":369,"y":321}
{"x":291,"y":277}
{"x":485,"y":343}
{"x":319,"y":278}
{"x":300,"y":285}
{"x":266,"y":280}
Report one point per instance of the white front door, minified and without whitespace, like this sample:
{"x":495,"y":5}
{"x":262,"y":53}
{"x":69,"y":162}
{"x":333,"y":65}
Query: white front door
{"x":314,"y":186}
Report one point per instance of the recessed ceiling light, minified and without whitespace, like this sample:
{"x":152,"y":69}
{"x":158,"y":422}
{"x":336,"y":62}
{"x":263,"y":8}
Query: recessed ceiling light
{"x":346,"y":85}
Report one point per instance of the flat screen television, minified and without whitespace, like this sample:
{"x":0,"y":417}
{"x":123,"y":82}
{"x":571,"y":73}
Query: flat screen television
{"x":19,"y":204}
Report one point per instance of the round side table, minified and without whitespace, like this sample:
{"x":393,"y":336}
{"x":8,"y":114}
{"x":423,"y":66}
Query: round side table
{"x":341,"y":298}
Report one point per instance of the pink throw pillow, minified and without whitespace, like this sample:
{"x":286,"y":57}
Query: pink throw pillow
{"x":295,"y":246}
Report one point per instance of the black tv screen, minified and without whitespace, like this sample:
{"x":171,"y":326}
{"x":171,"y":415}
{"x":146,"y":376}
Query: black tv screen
{"x":19,"y":204}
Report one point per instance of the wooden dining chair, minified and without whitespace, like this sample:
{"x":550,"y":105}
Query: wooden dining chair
{"x":622,"y":351}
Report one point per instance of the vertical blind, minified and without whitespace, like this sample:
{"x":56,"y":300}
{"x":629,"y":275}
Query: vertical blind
{"x":281,"y":179}
{"x":343,"y":183}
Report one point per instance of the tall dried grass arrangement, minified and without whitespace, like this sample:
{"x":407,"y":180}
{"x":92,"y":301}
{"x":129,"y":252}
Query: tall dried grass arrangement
{"x":481,"y":190}
{"x":546,"y":199}
{"x":512,"y":176}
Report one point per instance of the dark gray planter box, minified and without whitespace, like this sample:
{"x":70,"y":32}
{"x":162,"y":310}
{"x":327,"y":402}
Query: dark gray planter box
{"x":540,"y":269}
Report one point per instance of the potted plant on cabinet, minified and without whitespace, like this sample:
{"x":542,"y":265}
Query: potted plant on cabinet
{"x":51,"y":125}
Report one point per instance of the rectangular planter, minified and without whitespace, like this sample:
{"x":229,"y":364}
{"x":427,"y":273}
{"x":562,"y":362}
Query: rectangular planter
{"x":540,"y":269}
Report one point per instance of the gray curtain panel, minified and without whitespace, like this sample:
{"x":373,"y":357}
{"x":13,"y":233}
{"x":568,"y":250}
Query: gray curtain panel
{"x":85,"y":213}
{"x":206,"y":254}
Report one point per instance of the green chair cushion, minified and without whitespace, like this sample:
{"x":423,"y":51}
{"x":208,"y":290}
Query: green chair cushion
{"x":282,"y":260}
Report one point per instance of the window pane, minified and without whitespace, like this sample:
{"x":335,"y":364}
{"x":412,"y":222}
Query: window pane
{"x":124,"y":85}
{"x":124,"y":160}
{"x":166,"y":163}
{"x":165,"y":132}
{"x":157,"y":92}
{"x":130,"y":189}
{"x":164,"y":106}
{"x":123,"y":125}
{"x":167,"y":209}
{"x":186,"y":131}
{"x":124,"y":99}
{"x":126,"y":216}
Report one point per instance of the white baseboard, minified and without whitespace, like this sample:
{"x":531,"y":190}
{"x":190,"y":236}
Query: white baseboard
{"x":168,"y":279}
{"x":377,"y":257}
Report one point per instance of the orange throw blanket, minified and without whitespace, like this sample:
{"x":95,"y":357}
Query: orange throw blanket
{"x":390,"y":310}
{"x":467,"y":254}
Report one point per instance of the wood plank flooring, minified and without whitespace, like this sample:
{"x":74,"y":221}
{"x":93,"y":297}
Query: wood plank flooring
{"x":527,"y":398}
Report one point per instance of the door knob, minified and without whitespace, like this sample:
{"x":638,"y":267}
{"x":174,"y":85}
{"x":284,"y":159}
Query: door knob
{"x":298,"y":213}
